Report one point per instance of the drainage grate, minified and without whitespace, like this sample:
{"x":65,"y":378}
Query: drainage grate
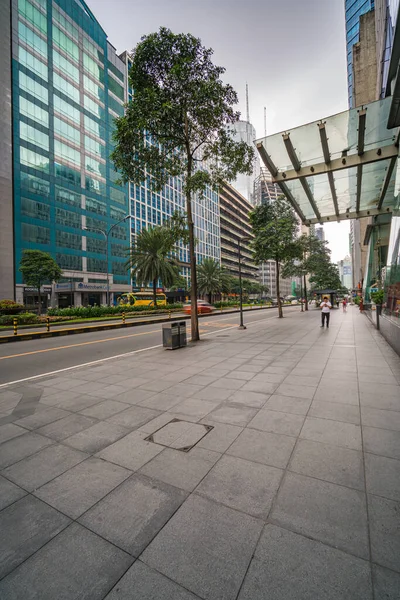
{"x":180,"y":435}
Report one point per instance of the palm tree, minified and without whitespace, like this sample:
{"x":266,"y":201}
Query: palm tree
{"x":149,"y":260}
{"x":211,"y":278}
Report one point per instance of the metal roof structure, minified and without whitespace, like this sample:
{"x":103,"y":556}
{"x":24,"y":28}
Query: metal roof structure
{"x":341,"y":167}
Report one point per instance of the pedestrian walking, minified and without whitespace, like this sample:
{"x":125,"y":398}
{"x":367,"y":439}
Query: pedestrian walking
{"x":325,"y":311}
{"x":337,"y":303}
{"x":344,"y":304}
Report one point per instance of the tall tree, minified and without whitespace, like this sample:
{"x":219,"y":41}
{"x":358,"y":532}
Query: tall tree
{"x":326,"y":276}
{"x":37,"y":268}
{"x":275,"y":227}
{"x":212,"y":278}
{"x":178,"y":124}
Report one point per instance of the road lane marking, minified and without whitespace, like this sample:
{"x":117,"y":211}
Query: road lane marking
{"x":100,"y":360}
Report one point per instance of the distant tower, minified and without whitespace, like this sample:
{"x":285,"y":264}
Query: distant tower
{"x":247,"y":104}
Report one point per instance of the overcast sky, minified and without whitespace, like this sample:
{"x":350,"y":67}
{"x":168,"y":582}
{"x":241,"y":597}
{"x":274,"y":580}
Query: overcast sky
{"x":292,"y":54}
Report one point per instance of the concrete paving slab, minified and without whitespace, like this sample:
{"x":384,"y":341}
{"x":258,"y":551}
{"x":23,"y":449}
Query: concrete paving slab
{"x":385,"y":419}
{"x":132,"y":451}
{"x":20,"y":447}
{"x":233,"y":415}
{"x":42,"y":417}
{"x":10,"y":431}
{"x":382,"y":442}
{"x":220,"y":437}
{"x":97,"y":437}
{"x":266,"y":448}
{"x":288,"y":404}
{"x":332,"y":432}
{"x":133,"y":417}
{"x":181,"y":551}
{"x":348,"y":413}
{"x":386,"y":583}
{"x":286,"y":389}
{"x":384,"y":516}
{"x":252,"y":399}
{"x":9,"y":492}
{"x":66,"y":427}
{"x":288,"y":566}
{"x":105,"y":409}
{"x":77,"y":561}
{"x":383,"y":476}
{"x":134,"y":513}
{"x":277,"y":422}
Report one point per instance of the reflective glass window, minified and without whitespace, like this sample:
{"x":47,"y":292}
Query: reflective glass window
{"x":35,"y":209}
{"x":65,"y":196}
{"x":117,"y":195}
{"x":68,"y":218}
{"x":93,"y":88}
{"x":33,"y":135}
{"x":68,"y":174}
{"x":115,"y":106}
{"x":66,"y":109}
{"x":93,"y":68}
{"x":35,"y":234}
{"x":34,"y":185}
{"x":67,"y":153}
{"x":65,"y":87}
{"x":116,"y":214}
{"x":118,"y":250}
{"x":95,"y":147}
{"x":57,"y":16}
{"x":94,"y":166}
{"x":116,"y":88}
{"x":32,"y":63}
{"x":92,"y":223}
{"x":93,"y":107}
{"x":69,"y":261}
{"x":32,"y":39}
{"x":115,"y":71}
{"x":65,"y":43}
{"x":34,"y":112}
{"x":95,"y":206}
{"x":67,"y":131}
{"x":64,"y":65}
{"x":65,"y":239}
{"x":32,"y":159}
{"x":119,"y":268}
{"x":94,"y":127}
{"x":34,"y":88}
{"x":96,"y":245}
{"x":96,"y":265}
{"x":92,"y":49}
{"x":95,"y":186}
{"x":33,"y":15}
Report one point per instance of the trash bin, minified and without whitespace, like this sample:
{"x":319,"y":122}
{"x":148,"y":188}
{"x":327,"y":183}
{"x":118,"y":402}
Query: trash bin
{"x":174,"y":335}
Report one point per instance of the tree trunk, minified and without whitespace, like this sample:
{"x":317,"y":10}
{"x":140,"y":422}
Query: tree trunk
{"x":210,"y":298}
{"x":194,"y":319}
{"x":39,"y":300}
{"x":155,"y":292}
{"x":278,"y":292}
{"x":305,"y":294}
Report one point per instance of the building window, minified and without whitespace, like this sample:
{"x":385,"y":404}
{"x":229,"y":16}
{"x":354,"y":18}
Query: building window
{"x":95,"y":245}
{"x":67,"y":153}
{"x":32,"y":159}
{"x":94,"y":127}
{"x":115,"y":106}
{"x":69,"y":262}
{"x":96,"y":265}
{"x":119,"y":268}
{"x":34,"y":185}
{"x":68,"y":218}
{"x":33,"y":111}
{"x":66,"y":109}
{"x":115,"y":71}
{"x":65,"y":66}
{"x":65,"y":43}
{"x":92,"y":223}
{"x":95,"y":206}
{"x":33,"y":15}
{"x":94,"y":166}
{"x":35,"y":210}
{"x":32,"y":39}
{"x":95,"y":147}
{"x":65,"y":87}
{"x":34,"y":136}
{"x":57,"y":16}
{"x":66,"y":131}
{"x":92,"y":49}
{"x":35,"y":234}
{"x":65,"y":239}
{"x":93,"y":107}
{"x":93,"y":68}
{"x":119,"y":250}
{"x":34,"y":88}
{"x":117,"y":196}
{"x":32,"y":63}
{"x":95,"y":186}
{"x":70,"y":175}
{"x":67,"y":197}
{"x":116,"y":88}
{"x":93,"y":88}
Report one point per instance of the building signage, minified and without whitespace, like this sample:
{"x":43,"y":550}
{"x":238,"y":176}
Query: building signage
{"x":92,"y":287}
{"x":346,"y":270}
{"x":45,"y":289}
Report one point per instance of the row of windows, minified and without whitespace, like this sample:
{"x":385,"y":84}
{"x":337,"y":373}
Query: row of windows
{"x":33,"y":111}
{"x":94,"y":127}
{"x":34,"y":136}
{"x":73,"y":32}
{"x":33,"y":87}
{"x":34,"y":185}
{"x":65,"y":66}
{"x":33,"y":15}
{"x":34,"y":160}
{"x":116,"y":88}
{"x":115,"y":106}
{"x":64,"y":108}
{"x":32,"y":39}
{"x":67,"y":153}
{"x":67,"y":131}
{"x":32,"y":63}
{"x":35,"y":210}
{"x":66,"y":88}
{"x":92,"y":49}
{"x":93,"y":68}
{"x":93,"y":107}
{"x":95,"y":147}
{"x":65,"y":43}
{"x":68,"y":240}
{"x":93,"y":88}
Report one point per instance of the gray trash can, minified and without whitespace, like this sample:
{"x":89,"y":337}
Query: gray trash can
{"x":174,"y":335}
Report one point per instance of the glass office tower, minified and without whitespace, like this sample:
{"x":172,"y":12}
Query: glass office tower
{"x":68,"y":85}
{"x":353,"y":9}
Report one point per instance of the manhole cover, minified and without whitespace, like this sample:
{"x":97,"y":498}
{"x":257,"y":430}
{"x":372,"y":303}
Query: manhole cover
{"x":180,"y":435}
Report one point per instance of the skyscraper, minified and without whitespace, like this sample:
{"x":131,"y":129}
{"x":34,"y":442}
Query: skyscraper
{"x":353,"y":9}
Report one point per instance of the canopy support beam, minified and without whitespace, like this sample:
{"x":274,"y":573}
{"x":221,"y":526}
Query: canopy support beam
{"x":351,"y":215}
{"x":327,"y":159}
{"x":358,"y":191}
{"x":386,"y":182}
{"x":265,"y":157}
{"x":362,"y":119}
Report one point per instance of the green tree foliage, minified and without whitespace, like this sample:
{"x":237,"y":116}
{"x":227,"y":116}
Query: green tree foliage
{"x":37,"y":268}
{"x":326,"y":276}
{"x":178,"y":121}
{"x":275,"y":227}
{"x":212,"y":278}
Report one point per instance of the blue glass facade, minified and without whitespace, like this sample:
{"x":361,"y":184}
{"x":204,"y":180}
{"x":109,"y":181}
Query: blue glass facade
{"x":353,"y":10}
{"x":68,"y":86}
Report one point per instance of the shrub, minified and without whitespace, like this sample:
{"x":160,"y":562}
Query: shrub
{"x":93,"y":312}
{"x":377,"y":296}
{"x":22,"y":318}
{"x":9,"y":307}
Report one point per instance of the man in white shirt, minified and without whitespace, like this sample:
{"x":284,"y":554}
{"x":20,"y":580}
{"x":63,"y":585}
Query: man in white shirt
{"x":325,"y":311}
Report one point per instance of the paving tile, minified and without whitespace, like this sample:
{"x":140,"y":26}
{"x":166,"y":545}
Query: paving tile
{"x":332,"y":394}
{"x":194,"y":407}
{"x":378,"y":401}
{"x":21,"y":447}
{"x":238,"y":374}
{"x":233,"y":415}
{"x":382,"y":441}
{"x":380,"y":389}
{"x":97,"y":437}
{"x":300,"y":380}
{"x":184,"y":390}
{"x":25,"y":527}
{"x":286,"y":389}
{"x":227,"y":384}
{"x":161,"y":401}
{"x":36,"y":470}
{"x":76,"y":564}
{"x":78,"y":489}
{"x":10,"y":431}
{"x":9,"y":492}
{"x":135,"y":396}
{"x":133,"y":417}
{"x":108,"y":392}
{"x":132,"y":451}
{"x":331,"y":463}
{"x":332,"y":432}
{"x":134,"y":513}
{"x":386,"y":419}
{"x":42,"y":417}
{"x":180,"y":469}
{"x":267,"y":448}
{"x":213,"y":394}
{"x":252,"y":399}
{"x":77,"y":403}
{"x":288,"y":404}
{"x":277,"y":422}
{"x":106,"y":409}
{"x":384,"y":518}
{"x":383,"y":476}
{"x":220,"y":438}
{"x":246,"y":486}
{"x":262,"y":387}
{"x":182,"y":550}
{"x":348,"y":413}
{"x":324,"y":511}
{"x":288,"y":566}
{"x":386,"y":583}
{"x":60,"y":430}
{"x":146,"y":584}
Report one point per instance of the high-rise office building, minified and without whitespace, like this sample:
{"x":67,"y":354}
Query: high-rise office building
{"x":320,"y":233}
{"x":67,"y":86}
{"x":345,"y":272}
{"x":353,"y":10}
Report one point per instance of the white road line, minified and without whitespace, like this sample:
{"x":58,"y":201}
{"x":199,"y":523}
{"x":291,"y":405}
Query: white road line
{"x":95,"y":362}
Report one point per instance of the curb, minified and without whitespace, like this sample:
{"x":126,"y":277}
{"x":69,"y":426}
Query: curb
{"x":21,"y":337}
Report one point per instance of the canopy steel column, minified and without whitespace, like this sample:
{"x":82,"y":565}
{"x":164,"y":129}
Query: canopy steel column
{"x":327,"y":159}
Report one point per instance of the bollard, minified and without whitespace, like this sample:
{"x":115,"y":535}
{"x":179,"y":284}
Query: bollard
{"x":169,"y":314}
{"x":15,"y":325}
{"x":123,"y":317}
{"x":221,"y":308}
{"x":47,"y":323}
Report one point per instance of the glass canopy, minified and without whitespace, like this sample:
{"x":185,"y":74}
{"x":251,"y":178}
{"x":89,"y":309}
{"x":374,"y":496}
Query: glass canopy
{"x":342,"y":167}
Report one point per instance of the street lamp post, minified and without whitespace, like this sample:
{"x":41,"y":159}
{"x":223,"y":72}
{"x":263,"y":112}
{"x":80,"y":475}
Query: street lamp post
{"x":106,"y":233}
{"x":240,"y":240}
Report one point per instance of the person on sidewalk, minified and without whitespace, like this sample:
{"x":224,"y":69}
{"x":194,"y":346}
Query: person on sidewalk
{"x":325,"y":311}
{"x":344,"y":304}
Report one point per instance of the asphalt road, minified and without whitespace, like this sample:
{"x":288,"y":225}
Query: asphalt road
{"x":22,"y":360}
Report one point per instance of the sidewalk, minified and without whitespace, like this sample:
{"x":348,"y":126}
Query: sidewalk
{"x":283,"y":496}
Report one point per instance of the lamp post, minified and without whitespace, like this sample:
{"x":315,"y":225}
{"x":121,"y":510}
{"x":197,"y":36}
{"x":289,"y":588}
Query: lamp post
{"x":240,"y":240}
{"x":106,"y":233}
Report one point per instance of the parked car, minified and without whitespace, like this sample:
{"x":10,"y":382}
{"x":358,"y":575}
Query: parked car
{"x":294,"y":302}
{"x":202,"y":307}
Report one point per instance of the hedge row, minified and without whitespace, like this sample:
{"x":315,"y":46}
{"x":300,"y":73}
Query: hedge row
{"x":87,"y":312}
{"x":22,"y":318}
